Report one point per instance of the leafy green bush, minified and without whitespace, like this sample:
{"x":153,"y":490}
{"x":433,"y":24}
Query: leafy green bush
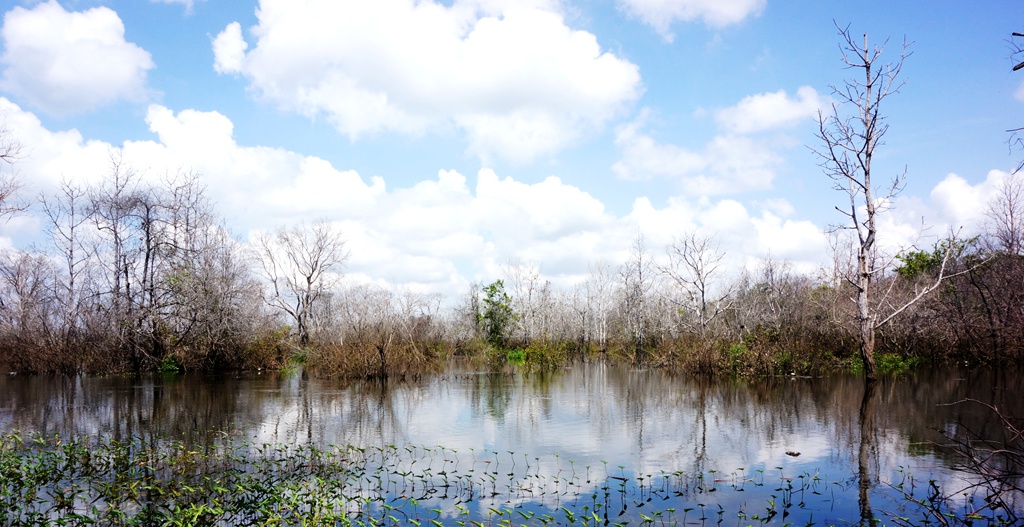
{"x":170,"y":365}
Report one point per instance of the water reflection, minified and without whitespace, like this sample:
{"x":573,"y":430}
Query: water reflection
{"x":592,"y":417}
{"x":867,"y":451}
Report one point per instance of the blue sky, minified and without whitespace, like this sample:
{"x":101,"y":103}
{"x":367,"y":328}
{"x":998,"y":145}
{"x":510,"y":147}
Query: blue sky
{"x":447,"y":139}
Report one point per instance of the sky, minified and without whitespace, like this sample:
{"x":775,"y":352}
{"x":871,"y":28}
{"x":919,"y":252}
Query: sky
{"x":448,"y":140}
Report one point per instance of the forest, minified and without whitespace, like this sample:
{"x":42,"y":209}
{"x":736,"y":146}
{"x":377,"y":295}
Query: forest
{"x":139,"y":277}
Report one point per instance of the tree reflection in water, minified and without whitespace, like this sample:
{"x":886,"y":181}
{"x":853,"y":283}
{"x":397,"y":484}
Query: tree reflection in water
{"x":868,"y":443}
{"x":639,"y":424}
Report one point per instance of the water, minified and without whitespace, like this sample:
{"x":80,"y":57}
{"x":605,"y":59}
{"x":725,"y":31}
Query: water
{"x":639,"y":442}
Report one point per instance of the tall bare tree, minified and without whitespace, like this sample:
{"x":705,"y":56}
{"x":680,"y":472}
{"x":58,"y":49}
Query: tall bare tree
{"x":525,"y":286}
{"x":849,"y":142}
{"x":68,"y":218}
{"x":302,"y":265}
{"x":600,"y":289}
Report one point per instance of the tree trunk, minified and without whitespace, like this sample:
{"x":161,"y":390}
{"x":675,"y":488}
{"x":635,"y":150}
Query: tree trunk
{"x":865,"y":316}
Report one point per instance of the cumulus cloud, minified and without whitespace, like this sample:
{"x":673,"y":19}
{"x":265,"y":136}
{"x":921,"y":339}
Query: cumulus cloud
{"x":769,"y":111}
{"x":726,"y":164}
{"x":958,"y":203}
{"x":661,"y":14}
{"x":436,"y":236}
{"x":229,"y":49}
{"x":70,"y":62}
{"x":735,"y":160}
{"x":511,"y":76}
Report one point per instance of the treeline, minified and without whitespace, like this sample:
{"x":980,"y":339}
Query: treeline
{"x":138,"y":276}
{"x":134,"y":274}
{"x":688,"y":314}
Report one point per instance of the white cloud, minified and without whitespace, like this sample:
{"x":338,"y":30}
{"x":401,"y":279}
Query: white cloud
{"x":644,"y":157}
{"x":731,"y":162}
{"x":229,"y":49}
{"x":743,"y":235}
{"x":661,"y":14}
{"x":793,"y":240}
{"x":510,"y":75}
{"x":70,"y":62}
{"x":445,"y":231}
{"x":768,"y":111}
{"x":960,"y":203}
{"x":727,"y":164}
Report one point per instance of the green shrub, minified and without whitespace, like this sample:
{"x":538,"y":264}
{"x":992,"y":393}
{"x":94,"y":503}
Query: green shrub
{"x":515,"y":356}
{"x":896,"y":363}
{"x":170,"y":365}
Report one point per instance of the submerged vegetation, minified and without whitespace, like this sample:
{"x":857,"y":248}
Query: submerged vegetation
{"x":78,"y":481}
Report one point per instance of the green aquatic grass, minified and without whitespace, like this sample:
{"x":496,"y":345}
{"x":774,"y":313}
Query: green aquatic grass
{"x":87,"y":481}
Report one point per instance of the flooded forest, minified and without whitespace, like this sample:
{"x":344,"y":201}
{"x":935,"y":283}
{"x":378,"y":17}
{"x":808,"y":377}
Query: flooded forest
{"x":136,"y":277}
{"x":160,"y":370}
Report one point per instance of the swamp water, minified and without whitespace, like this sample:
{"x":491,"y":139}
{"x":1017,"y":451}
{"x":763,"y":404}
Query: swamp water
{"x":595,"y":444}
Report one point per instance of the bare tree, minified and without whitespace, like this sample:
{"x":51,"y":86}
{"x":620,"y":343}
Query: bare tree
{"x":637,"y":276}
{"x":301,"y":264}
{"x":693,"y":266}
{"x":10,"y":152}
{"x":1005,"y":216}
{"x":765,"y":299}
{"x":117,"y":244}
{"x":67,"y":221}
{"x":849,"y":143}
{"x":600,"y":288}
{"x":525,"y":287}
{"x":25,"y":315}
{"x":849,"y":148}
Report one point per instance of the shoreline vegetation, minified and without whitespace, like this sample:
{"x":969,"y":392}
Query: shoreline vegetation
{"x":141,"y":278}
{"x":195,"y":300}
{"x":191,"y":298}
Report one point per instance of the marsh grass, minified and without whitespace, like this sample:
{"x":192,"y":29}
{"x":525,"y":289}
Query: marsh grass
{"x":79,"y":481}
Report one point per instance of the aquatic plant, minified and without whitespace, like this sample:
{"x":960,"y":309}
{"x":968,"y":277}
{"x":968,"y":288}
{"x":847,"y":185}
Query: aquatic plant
{"x":84,"y":481}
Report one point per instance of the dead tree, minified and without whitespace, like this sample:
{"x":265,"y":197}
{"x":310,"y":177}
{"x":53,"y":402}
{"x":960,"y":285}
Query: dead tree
{"x":637,"y":277}
{"x":1004,"y":216}
{"x":301,"y":265}
{"x":849,"y":142}
{"x":10,"y":152}
{"x":693,"y":266}
{"x":68,"y":218}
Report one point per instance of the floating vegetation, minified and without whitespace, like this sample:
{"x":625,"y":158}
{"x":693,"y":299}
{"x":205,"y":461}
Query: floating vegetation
{"x":81,"y":481}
